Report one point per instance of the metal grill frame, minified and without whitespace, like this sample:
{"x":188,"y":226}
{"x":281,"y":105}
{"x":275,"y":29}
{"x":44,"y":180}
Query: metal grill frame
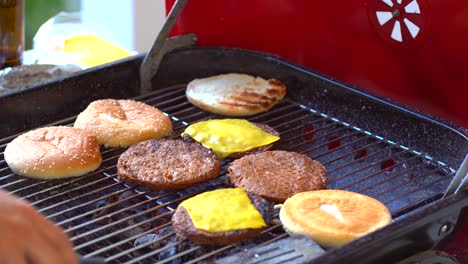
{"x":167,"y":102}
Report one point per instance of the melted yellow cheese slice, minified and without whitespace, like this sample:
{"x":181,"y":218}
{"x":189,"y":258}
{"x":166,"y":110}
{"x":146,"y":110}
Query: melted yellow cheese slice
{"x":223,"y":210}
{"x":93,"y":50}
{"x":227,"y":136}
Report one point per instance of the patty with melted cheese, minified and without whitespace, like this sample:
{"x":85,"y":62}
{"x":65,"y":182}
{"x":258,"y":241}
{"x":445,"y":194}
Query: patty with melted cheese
{"x":232,"y":138}
{"x":185,"y":227}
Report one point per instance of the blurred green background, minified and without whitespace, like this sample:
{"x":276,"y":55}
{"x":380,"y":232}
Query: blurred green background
{"x":37,"y":12}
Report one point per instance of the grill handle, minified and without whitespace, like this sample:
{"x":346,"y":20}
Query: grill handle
{"x":460,"y":181}
{"x":150,"y":65}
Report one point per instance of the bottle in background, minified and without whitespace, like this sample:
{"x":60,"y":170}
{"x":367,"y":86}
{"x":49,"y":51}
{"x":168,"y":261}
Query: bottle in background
{"x":11,"y":32}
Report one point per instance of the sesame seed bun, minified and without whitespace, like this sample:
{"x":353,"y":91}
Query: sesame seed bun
{"x":122,"y":123}
{"x":333,"y":217}
{"x":53,"y":152}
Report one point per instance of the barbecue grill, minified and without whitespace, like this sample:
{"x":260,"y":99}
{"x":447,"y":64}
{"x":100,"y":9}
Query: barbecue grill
{"x":402,"y":157}
{"x":368,"y":145}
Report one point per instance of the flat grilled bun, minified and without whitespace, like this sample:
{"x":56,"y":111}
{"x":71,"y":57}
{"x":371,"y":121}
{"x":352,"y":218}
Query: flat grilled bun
{"x":235,"y":94}
{"x":122,"y":123}
{"x":333,"y":217}
{"x":53,"y":152}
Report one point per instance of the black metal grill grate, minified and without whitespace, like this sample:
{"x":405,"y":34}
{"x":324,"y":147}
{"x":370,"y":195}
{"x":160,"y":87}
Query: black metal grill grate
{"x":129,"y":224}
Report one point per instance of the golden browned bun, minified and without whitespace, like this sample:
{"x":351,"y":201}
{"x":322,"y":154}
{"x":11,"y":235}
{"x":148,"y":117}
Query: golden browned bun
{"x":53,"y":152}
{"x":333,"y":217}
{"x":235,"y":94}
{"x":121,"y":123}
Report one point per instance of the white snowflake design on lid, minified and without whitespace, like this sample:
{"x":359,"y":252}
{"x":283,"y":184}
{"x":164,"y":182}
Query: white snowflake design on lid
{"x":390,"y":15}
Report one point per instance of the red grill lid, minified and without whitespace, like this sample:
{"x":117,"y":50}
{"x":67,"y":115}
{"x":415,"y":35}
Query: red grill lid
{"x":413,"y":51}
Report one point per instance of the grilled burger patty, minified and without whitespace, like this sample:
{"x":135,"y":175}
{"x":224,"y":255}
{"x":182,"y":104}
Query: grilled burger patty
{"x":183,"y":226}
{"x":277,"y":175}
{"x":167,"y":164}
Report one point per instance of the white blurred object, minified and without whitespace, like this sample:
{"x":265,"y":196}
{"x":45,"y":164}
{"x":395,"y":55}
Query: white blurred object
{"x":66,"y":39}
{"x":134,"y":24}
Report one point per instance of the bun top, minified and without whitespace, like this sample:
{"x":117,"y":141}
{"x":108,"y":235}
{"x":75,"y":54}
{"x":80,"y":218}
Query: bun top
{"x":53,"y":152}
{"x":122,"y":123}
{"x":333,"y":217}
{"x":235,"y":94}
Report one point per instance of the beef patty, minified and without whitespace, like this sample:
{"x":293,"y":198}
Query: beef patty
{"x":183,"y":226}
{"x":167,"y":164}
{"x":277,"y":175}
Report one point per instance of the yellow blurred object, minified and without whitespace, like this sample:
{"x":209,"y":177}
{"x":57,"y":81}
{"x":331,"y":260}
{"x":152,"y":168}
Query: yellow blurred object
{"x":93,"y":50}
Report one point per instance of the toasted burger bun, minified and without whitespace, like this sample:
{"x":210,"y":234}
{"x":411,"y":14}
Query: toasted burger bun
{"x":53,"y":152}
{"x":333,"y":217}
{"x":277,"y":175}
{"x":121,"y":123}
{"x":235,"y":94}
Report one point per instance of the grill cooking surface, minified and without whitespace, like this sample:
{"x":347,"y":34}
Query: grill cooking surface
{"x":129,"y":224}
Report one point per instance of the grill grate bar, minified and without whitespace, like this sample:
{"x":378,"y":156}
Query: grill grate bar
{"x":277,"y":255}
{"x":68,"y":191}
{"x":96,"y":200}
{"x":363,"y":168}
{"x":152,"y":253}
{"x":334,"y":139}
{"x":12,"y":183}
{"x":82,"y":196}
{"x":380,"y":182}
{"x":309,"y":133}
{"x":99,"y":209}
{"x":4,"y":168}
{"x":6,"y":176}
{"x":125,"y":240}
{"x":315,"y":139}
{"x":282,"y":117}
{"x":354,"y":152}
{"x":281,"y":107}
{"x":369,"y":155}
{"x":214,"y":252}
{"x":172,"y":104}
{"x":415,"y":204}
{"x":128,"y":251}
{"x":154,"y":94}
{"x":337,"y":148}
{"x":211,"y":253}
{"x":123,"y":219}
{"x":413,"y":191}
